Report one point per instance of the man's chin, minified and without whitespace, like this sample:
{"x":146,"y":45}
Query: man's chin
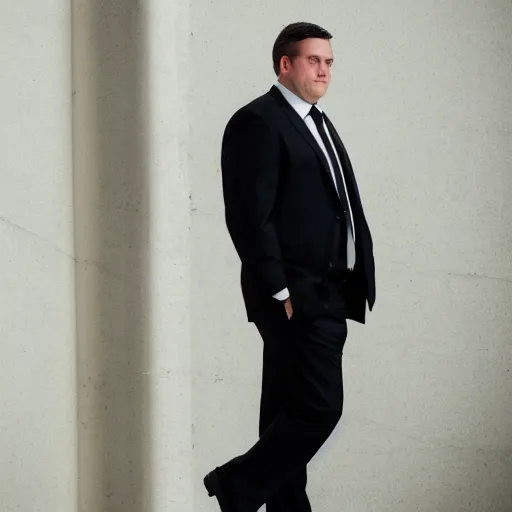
{"x":320,"y":89}
{"x":319,"y":95}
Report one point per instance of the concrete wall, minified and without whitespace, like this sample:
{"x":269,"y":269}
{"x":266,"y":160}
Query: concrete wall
{"x":421,"y":96}
{"x":37,"y":320}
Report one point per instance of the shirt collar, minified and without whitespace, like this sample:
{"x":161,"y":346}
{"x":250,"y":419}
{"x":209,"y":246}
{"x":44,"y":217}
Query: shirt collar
{"x":299,"y":105}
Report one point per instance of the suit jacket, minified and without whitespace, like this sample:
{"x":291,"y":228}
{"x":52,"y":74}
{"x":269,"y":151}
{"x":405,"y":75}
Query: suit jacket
{"x":283,"y":212}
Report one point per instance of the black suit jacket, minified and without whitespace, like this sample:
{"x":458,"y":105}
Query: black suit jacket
{"x":283,"y":212}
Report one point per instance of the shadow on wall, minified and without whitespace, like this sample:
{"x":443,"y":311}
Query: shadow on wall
{"x":111,"y":232}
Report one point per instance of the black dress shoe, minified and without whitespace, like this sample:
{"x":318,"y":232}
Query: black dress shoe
{"x":214,"y":487}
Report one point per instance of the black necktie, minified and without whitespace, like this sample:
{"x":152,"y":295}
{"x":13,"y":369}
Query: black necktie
{"x":318,"y":118}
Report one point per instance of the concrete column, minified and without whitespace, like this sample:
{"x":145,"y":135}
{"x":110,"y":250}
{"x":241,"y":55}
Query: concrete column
{"x":132,"y":228}
{"x":37,"y":307}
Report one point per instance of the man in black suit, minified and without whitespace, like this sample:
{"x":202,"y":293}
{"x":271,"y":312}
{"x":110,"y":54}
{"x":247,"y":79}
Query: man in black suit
{"x":294,"y":214}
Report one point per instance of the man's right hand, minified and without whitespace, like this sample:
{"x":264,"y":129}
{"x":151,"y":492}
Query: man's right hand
{"x":288,"y":307}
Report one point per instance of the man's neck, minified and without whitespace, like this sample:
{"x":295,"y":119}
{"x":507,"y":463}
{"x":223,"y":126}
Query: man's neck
{"x":292,"y":90}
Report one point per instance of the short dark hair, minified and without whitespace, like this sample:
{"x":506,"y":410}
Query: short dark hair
{"x":286,"y":42}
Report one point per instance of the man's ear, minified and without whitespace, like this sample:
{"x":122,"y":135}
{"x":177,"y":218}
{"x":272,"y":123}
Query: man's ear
{"x":285,"y":63}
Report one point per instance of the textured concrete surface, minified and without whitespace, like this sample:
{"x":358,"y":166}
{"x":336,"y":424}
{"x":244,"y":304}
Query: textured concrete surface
{"x":37,"y":321}
{"x":122,"y":262}
{"x":132,"y":227}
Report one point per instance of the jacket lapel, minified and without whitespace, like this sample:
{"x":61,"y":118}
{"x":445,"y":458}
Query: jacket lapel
{"x":301,"y":126}
{"x":360,"y":222}
{"x":344,"y":159}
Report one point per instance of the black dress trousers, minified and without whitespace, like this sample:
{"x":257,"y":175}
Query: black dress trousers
{"x":301,"y":403}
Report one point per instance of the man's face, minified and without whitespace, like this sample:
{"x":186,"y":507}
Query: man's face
{"x":309,"y":74}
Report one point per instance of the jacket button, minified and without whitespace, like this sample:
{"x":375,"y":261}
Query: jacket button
{"x":338,"y":217}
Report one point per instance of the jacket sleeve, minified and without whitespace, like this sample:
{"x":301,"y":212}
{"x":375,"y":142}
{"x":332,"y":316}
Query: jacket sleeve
{"x":250,"y":177}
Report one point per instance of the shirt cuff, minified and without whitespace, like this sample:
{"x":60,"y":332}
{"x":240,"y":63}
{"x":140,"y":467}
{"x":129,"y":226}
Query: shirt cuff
{"x":282,"y":295}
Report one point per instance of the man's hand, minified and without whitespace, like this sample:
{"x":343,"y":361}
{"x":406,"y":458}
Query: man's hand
{"x":288,"y":307}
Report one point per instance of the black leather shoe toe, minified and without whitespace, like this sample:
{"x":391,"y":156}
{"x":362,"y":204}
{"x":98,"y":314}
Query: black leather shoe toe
{"x":214,"y":487}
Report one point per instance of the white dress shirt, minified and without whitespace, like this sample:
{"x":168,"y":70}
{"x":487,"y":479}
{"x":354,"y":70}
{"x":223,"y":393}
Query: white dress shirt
{"x":302,"y":108}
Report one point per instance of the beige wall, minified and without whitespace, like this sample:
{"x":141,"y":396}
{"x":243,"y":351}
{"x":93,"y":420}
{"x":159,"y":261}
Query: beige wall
{"x":168,"y":369}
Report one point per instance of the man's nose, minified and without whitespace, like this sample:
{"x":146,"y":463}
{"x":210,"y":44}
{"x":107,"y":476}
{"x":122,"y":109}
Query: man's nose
{"x":322,"y":70}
